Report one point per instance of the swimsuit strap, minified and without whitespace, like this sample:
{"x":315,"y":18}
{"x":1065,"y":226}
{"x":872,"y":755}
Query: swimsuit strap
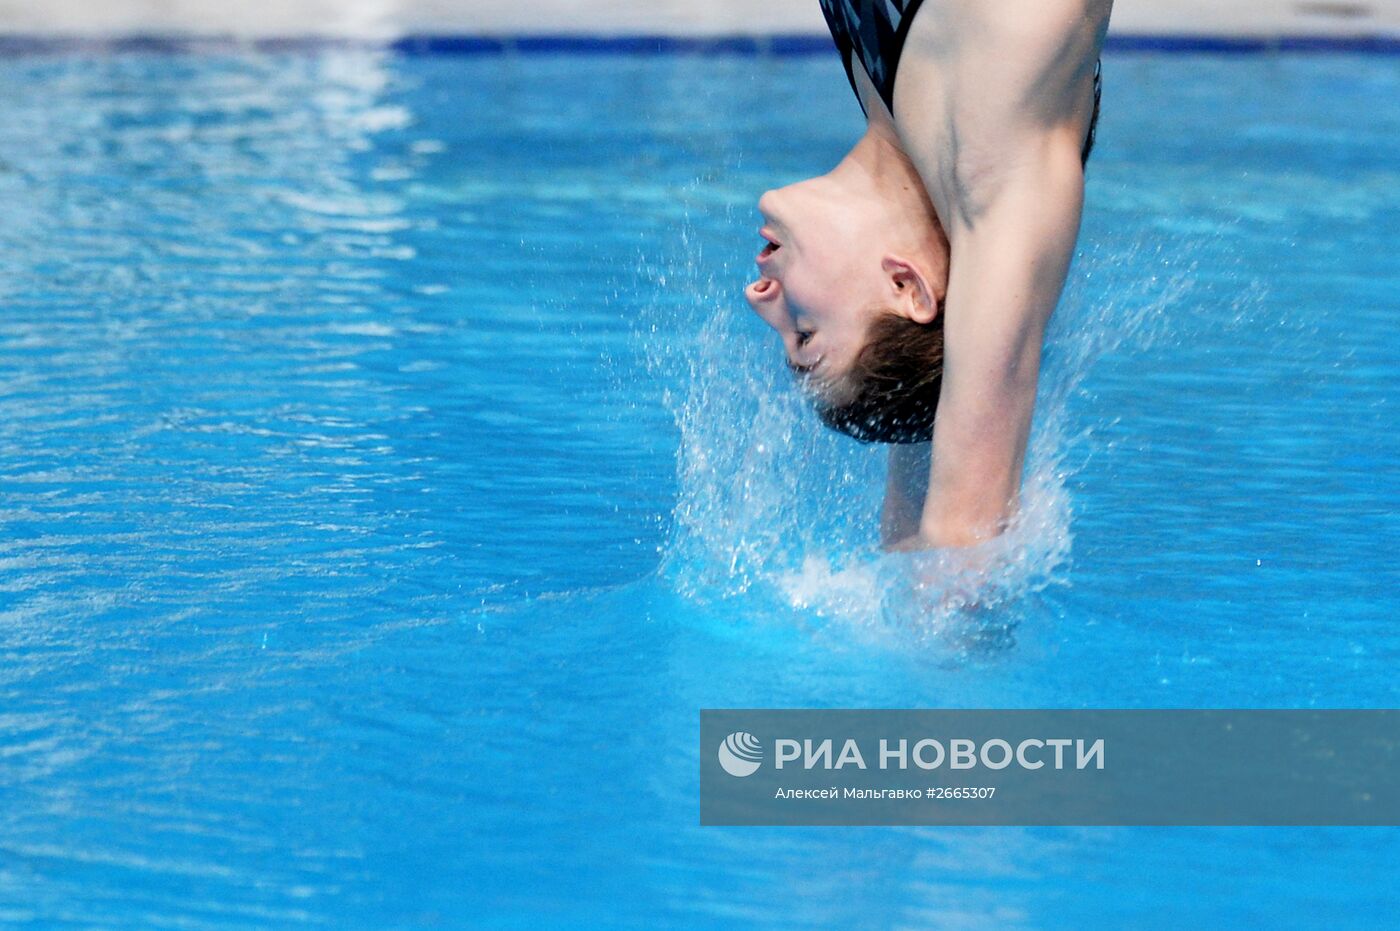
{"x":1094,"y":120}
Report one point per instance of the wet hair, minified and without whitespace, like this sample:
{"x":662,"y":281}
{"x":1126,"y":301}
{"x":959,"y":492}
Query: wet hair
{"x":890,"y":395}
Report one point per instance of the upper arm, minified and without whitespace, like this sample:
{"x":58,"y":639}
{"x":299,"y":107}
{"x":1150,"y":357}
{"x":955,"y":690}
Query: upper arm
{"x":980,"y":84}
{"x":993,"y":106}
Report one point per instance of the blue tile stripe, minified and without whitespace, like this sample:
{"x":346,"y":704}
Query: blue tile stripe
{"x":1384,"y":45}
{"x":796,"y":44}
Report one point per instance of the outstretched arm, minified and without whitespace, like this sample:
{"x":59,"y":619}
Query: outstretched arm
{"x":1008,"y":269}
{"x":994,"y":107}
{"x":1007,"y":273}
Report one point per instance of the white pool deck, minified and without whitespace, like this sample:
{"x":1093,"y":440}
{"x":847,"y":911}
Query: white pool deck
{"x":390,"y":18}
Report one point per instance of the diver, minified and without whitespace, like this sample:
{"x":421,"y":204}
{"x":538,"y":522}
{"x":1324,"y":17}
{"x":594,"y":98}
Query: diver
{"x":912,"y":284}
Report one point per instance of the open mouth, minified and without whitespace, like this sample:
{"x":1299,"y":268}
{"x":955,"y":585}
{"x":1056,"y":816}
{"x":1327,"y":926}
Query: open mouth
{"x":769,"y":249}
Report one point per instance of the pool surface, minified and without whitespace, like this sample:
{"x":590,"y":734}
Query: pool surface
{"x":392,"y":471}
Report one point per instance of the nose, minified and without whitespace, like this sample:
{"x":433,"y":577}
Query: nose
{"x":762,"y":292}
{"x":764,"y":296}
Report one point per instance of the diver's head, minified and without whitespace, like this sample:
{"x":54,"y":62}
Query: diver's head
{"x":852,"y":278}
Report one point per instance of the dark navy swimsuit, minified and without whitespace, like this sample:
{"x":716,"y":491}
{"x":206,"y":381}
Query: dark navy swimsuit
{"x":875,"y":31}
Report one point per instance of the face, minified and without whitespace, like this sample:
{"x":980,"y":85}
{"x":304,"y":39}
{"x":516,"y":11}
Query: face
{"x":820,"y":279}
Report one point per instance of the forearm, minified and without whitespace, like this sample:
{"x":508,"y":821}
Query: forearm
{"x":906,"y":488}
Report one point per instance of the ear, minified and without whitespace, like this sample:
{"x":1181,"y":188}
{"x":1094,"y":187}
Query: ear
{"x":914,"y":296}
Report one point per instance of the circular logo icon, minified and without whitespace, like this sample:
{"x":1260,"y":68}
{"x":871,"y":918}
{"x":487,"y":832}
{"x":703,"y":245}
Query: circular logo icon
{"x":741,"y":754}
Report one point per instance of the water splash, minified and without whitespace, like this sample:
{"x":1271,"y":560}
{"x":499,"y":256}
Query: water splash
{"x":771,"y":504}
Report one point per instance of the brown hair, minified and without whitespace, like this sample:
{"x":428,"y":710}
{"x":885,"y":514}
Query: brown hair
{"x":890,"y":395}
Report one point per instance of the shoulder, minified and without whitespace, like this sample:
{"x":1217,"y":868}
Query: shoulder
{"x":1010,"y":42}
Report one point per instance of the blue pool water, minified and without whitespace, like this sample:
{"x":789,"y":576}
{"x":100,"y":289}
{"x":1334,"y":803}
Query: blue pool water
{"x":392,"y":472}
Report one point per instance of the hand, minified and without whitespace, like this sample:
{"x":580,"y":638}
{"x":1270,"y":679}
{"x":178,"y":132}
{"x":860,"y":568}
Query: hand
{"x":951,"y":590}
